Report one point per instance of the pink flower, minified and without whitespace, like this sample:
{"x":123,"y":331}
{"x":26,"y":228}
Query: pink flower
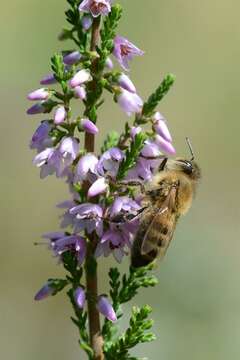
{"x":96,"y":7}
{"x":109,"y":162}
{"x":86,"y":165}
{"x":89,"y":218}
{"x":129,"y":102}
{"x":124,"y":51}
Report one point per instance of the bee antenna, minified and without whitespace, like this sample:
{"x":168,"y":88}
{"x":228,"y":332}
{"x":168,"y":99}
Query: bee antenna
{"x":190,"y":148}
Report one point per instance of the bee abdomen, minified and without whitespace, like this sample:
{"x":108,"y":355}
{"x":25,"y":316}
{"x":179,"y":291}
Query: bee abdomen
{"x":159,"y":240}
{"x":139,"y":260}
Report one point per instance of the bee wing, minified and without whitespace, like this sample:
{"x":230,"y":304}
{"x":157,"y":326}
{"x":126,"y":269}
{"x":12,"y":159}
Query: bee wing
{"x":160,"y":231}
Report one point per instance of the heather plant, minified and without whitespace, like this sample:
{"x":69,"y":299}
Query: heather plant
{"x":101,"y":215}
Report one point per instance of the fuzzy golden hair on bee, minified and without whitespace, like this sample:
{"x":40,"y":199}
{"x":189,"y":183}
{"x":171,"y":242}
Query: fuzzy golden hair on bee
{"x":168,"y":196}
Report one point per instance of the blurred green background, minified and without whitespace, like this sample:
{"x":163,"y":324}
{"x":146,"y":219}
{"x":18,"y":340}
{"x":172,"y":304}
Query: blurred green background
{"x":197,"y":302}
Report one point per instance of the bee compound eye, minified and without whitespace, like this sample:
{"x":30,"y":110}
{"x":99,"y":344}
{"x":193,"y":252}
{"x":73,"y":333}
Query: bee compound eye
{"x":188,"y":168}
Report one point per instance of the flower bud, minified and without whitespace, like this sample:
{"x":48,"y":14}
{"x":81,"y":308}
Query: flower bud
{"x":98,"y":187}
{"x":60,"y":115}
{"x":39,"y":94}
{"x":165,"y":145}
{"x":72,"y":58}
{"x":86,"y":22}
{"x":44,"y":292}
{"x":105,"y":308}
{"x":89,"y":126}
{"x":80,"y":77}
{"x":109,"y":64}
{"x":160,"y":127}
{"x":80,"y":92}
{"x":126,"y":83}
{"x":80,"y":297}
{"x":36,"y":109}
{"x":134,"y":131}
{"x":48,"y":80}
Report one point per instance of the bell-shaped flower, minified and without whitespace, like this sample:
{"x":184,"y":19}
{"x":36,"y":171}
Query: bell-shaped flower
{"x":124,"y":51}
{"x":69,"y":148}
{"x":105,"y":308}
{"x":67,"y":218}
{"x":109,"y":162}
{"x":47,"y":161}
{"x":150,"y":149}
{"x":114,"y":241}
{"x":144,"y":169}
{"x":129,"y":102}
{"x":124,"y":204}
{"x":41,"y":139}
{"x":86,"y":164}
{"x":89,"y":218}
{"x":96,"y":7}
{"x":73,"y":242}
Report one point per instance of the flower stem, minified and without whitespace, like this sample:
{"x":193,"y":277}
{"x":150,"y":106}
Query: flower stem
{"x":96,"y":339}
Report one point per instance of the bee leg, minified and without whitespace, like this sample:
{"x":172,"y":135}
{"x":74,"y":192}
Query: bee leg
{"x":163,"y":164}
{"x":134,"y":183}
{"x":123,"y":218}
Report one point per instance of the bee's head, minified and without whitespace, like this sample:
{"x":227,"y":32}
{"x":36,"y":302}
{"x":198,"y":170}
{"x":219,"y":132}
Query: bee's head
{"x":188,"y":167}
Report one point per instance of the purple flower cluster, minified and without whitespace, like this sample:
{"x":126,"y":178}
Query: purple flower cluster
{"x":59,"y":152}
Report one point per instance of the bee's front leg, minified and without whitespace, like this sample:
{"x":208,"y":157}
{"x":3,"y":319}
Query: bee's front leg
{"x":134,"y":183}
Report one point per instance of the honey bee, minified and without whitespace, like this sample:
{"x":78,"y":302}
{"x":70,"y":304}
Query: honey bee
{"x":168,"y":196}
